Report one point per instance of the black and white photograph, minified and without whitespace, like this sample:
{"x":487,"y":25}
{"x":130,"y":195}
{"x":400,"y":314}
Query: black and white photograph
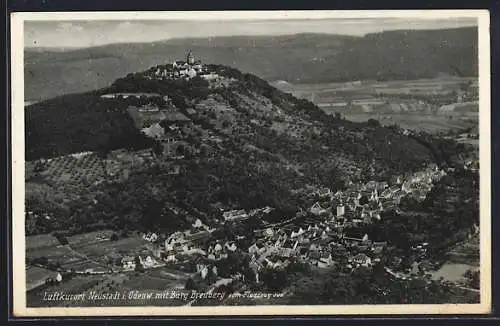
{"x":231,"y":163}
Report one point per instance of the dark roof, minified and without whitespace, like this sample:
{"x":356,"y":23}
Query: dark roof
{"x":354,"y":234}
{"x":289,"y":243}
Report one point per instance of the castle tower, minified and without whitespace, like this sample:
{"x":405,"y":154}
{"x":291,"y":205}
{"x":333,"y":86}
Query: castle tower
{"x":190,"y":58}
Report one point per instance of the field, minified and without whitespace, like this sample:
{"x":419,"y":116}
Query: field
{"x":145,"y":119}
{"x":128,"y":245}
{"x":40,"y":241}
{"x":85,"y":251}
{"x":473,"y":142}
{"x":100,"y":252}
{"x":424,"y":104}
{"x":370,"y":90}
{"x":84,"y":265}
{"x":58,"y":253}
{"x":96,"y":252}
{"x":90,"y":237}
{"x":429,"y":123}
{"x":76,"y":285}
{"x":75,"y":169}
{"x":36,"y":276}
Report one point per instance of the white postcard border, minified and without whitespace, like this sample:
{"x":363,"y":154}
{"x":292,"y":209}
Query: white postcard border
{"x":18,"y":195}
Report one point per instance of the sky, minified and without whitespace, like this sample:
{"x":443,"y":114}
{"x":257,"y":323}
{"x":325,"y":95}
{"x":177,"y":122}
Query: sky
{"x":74,"y":34}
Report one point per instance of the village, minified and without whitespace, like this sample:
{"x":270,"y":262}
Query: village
{"x":324,"y":235}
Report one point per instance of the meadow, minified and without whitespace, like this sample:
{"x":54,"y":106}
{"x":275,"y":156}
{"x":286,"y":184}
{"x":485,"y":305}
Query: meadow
{"x":411,"y":104}
{"x":429,"y":123}
{"x":76,"y":285}
{"x":74,"y":169}
{"x":127,"y":246}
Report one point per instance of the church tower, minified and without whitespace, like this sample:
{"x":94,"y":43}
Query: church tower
{"x":190,"y":58}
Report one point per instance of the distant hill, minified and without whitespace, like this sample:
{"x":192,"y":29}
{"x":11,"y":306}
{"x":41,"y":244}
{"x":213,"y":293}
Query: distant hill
{"x":301,"y":58}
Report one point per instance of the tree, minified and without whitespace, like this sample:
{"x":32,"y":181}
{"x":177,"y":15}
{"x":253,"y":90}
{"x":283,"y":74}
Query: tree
{"x":274,"y":279}
{"x":39,"y":166}
{"x":190,"y":285}
{"x":364,"y":200}
{"x":180,"y":150}
{"x":473,"y":278}
{"x":61,"y":238}
{"x":138,"y":265}
{"x":373,"y":123}
{"x":157,"y":148}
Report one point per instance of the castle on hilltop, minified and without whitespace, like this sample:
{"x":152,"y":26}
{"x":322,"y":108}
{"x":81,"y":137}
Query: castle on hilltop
{"x":183,"y":69}
{"x":188,"y":68}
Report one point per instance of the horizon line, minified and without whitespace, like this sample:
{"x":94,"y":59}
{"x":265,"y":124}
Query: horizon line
{"x":70,"y":48}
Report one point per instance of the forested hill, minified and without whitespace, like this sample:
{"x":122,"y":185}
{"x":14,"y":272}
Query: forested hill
{"x":301,"y":58}
{"x":242,"y":143}
{"x":255,"y":114}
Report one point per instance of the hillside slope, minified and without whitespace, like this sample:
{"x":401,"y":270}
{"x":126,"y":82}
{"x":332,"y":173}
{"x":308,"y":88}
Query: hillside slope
{"x":244,"y":144}
{"x":304,"y":58}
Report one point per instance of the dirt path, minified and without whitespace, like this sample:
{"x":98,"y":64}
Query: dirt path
{"x":468,"y":289}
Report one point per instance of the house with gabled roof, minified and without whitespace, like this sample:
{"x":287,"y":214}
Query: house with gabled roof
{"x":253,"y":249}
{"x":297,"y":234}
{"x":387,"y":193}
{"x":288,"y":248}
{"x":317,"y":209}
{"x":355,"y":237}
{"x":314,"y":256}
{"x":324,"y":192}
{"x":218,"y":247}
{"x":325,"y":260}
{"x":128,"y":263}
{"x":374,"y":196}
{"x":269,"y":232}
{"x":151,"y":237}
{"x":338,"y":195}
{"x":198,"y":224}
{"x":148,"y":262}
{"x":171,"y":257}
{"x":360,"y":260}
{"x":231,"y":246}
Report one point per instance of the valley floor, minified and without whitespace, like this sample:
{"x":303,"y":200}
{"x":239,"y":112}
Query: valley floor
{"x":416,"y":121}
